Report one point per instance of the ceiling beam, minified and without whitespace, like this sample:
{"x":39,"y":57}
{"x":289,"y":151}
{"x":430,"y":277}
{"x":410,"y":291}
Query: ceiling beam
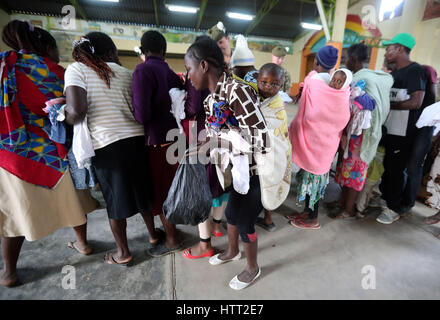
{"x":201,"y":13}
{"x":265,"y":9}
{"x":155,"y":12}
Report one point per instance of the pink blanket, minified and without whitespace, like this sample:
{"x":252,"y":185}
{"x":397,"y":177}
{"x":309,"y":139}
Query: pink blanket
{"x":317,"y":128}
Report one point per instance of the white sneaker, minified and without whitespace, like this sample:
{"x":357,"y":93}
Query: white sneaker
{"x":215,"y":261}
{"x":239,"y":285}
{"x":388,"y":216}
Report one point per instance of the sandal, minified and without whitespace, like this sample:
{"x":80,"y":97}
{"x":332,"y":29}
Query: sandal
{"x":432,"y":220}
{"x":109,"y":259}
{"x":297,"y":215}
{"x":300,"y":224}
{"x":340,"y":215}
{"x":217,"y":234}
{"x":187,"y":254}
{"x":359,"y":215}
{"x":268,"y":227}
{"x":85,"y":251}
{"x":161,"y":250}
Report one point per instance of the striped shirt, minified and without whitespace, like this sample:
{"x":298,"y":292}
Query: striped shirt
{"x":109,"y":114}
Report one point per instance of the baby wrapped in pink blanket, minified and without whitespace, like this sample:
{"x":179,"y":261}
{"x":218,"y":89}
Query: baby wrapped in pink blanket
{"x":316,"y":131}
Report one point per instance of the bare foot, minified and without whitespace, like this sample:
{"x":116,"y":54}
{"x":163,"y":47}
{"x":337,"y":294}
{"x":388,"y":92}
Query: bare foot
{"x":8,"y":280}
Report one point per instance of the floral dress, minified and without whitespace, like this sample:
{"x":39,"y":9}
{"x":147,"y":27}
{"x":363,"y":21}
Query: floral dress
{"x":352,"y":172}
{"x":312,"y":185}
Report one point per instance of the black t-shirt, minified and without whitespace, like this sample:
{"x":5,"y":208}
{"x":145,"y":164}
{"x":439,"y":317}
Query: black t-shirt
{"x":406,"y":81}
{"x":429,"y":95}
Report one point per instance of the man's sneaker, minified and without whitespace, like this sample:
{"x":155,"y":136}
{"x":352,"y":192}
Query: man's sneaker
{"x":388,"y":216}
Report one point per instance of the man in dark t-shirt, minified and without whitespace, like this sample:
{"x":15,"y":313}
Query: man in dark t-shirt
{"x":406,"y":145}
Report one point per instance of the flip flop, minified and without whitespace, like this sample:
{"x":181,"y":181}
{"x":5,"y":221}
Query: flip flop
{"x":297,"y":216}
{"x":268,"y":227}
{"x":187,"y":254}
{"x":432,"y":220}
{"x":86,"y":251}
{"x":340,"y":215}
{"x":161,"y":250}
{"x":161,"y":236}
{"x":300,"y":224}
{"x":217,"y":234}
{"x":109,"y":259}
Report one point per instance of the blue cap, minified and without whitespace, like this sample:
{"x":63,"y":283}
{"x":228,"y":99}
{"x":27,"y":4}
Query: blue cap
{"x":327,"y":57}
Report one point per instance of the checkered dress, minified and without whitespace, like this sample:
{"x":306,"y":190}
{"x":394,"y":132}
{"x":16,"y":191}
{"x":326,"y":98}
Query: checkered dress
{"x":244,"y":104}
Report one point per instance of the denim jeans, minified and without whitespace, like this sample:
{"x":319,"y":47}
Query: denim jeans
{"x":404,"y":158}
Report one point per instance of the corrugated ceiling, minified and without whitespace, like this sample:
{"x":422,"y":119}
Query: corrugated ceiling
{"x":282,"y":22}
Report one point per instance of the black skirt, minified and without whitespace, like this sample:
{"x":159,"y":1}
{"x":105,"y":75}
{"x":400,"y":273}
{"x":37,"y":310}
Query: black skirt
{"x":123,"y":172}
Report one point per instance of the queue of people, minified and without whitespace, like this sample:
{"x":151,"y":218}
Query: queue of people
{"x":232,"y":111}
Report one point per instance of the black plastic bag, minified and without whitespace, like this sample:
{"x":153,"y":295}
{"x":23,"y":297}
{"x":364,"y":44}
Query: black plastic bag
{"x":189,"y":198}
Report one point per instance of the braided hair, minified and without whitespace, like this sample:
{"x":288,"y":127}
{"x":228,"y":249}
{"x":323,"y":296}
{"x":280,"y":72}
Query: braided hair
{"x":21,"y":35}
{"x":93,"y":50}
{"x":208,"y":50}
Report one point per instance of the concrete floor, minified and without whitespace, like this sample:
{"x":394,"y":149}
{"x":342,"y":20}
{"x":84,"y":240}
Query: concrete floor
{"x":296,"y":264}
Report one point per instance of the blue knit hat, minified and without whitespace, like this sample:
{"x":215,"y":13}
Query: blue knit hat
{"x":327,"y":57}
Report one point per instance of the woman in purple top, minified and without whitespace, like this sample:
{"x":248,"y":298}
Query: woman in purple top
{"x":152,"y":81}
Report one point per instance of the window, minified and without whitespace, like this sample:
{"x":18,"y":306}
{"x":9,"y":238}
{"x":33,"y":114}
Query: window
{"x":390,"y":9}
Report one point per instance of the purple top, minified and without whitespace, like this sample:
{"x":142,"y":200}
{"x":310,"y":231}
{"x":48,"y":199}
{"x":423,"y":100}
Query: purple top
{"x":152,"y":81}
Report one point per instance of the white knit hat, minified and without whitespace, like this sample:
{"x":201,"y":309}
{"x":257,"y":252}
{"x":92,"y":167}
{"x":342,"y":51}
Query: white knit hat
{"x":242,"y":55}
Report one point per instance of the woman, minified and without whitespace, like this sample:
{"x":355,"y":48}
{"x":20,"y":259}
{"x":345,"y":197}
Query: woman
{"x":152,"y":81}
{"x":98,"y":87}
{"x":37,"y":195}
{"x":315,"y":134}
{"x":239,"y":104}
{"x":353,"y":171}
{"x":195,"y":112}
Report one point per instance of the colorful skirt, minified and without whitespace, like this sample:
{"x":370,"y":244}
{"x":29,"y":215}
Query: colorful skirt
{"x":352,"y":172}
{"x":311,"y":185}
{"x":162,"y":174}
